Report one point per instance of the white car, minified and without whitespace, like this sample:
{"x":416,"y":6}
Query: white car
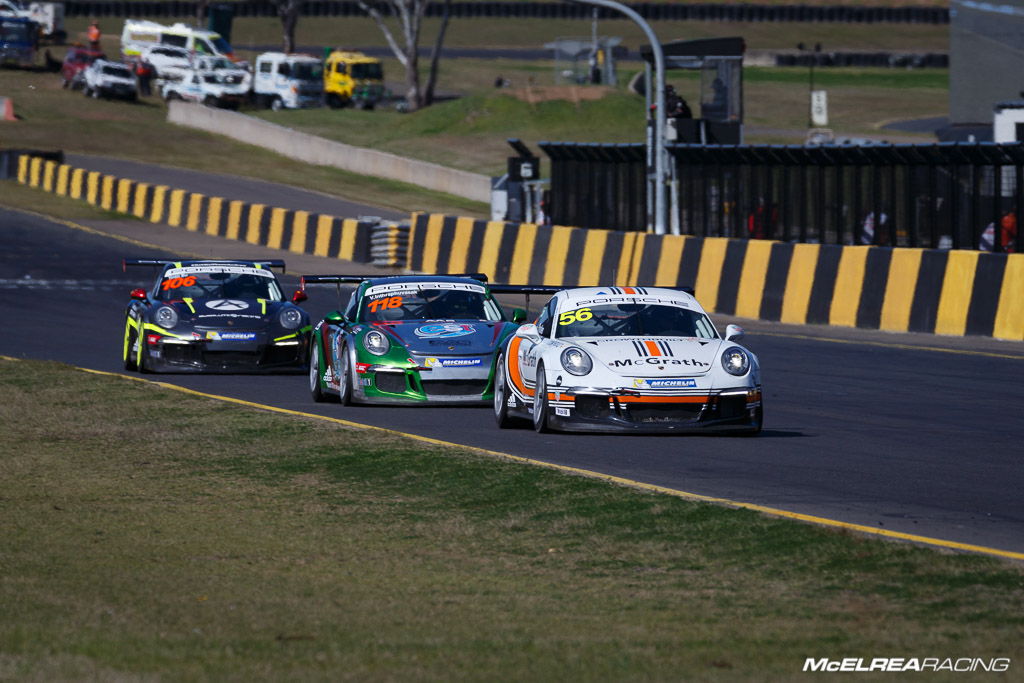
{"x":629,"y":359}
{"x":206,"y":87}
{"x":109,"y":79}
{"x":225,"y":70}
{"x":168,"y":61}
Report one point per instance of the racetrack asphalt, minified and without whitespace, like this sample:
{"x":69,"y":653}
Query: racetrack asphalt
{"x":910,"y":433}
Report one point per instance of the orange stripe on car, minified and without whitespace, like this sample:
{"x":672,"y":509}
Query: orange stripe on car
{"x":652,"y":348}
{"x":513,"y":366}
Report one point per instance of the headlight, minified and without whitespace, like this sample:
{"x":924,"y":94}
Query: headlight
{"x":576,"y":361}
{"x":736,"y":361}
{"x":376,"y":343}
{"x":166,"y":317}
{"x":290,"y":318}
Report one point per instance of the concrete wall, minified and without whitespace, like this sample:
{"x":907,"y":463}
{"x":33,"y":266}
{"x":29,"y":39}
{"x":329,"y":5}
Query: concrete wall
{"x":900,"y":290}
{"x":315,"y":150}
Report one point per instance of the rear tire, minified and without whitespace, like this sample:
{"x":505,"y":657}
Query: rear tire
{"x":540,"y":402}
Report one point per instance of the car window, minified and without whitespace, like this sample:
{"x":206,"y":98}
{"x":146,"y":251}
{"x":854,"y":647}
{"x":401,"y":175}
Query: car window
{"x":544,"y":319}
{"x":428,"y":301}
{"x":221,"y":282}
{"x":634,"y":320}
{"x":169,"y":39}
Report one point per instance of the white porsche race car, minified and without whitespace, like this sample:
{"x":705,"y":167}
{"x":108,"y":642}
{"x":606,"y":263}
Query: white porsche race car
{"x":633,"y":359}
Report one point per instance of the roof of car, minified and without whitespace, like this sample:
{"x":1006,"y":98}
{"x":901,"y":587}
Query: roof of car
{"x":618,"y":293}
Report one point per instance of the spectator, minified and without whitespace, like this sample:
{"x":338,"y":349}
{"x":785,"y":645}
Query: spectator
{"x":94,"y":35}
{"x":675,"y":106}
{"x":144,"y":72}
{"x":1007,"y":235}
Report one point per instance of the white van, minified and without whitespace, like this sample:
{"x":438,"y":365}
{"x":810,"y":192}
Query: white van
{"x":138,"y":35}
{"x":292,"y":81}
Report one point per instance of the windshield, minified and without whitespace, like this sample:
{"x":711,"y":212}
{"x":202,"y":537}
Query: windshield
{"x":219,"y":282}
{"x":634,"y":320}
{"x":308,"y":72}
{"x":223,"y":46}
{"x":118,"y":71}
{"x":367,"y":71}
{"x":428,"y":301}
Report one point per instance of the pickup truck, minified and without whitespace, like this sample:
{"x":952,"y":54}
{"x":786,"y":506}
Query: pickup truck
{"x":103,"y":78}
{"x":216,"y":88}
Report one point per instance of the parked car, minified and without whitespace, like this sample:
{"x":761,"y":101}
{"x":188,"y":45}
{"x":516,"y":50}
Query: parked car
{"x":104,"y":78}
{"x":627,"y":359}
{"x":168,"y":61}
{"x":75,"y":62}
{"x":211,"y":88}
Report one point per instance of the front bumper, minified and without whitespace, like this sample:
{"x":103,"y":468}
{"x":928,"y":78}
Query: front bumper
{"x":594,"y":410}
{"x":170,"y":355}
{"x":470,"y":385}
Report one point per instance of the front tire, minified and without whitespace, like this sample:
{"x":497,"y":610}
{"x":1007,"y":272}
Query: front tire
{"x":345,"y":378}
{"x":316,"y":375}
{"x":276,"y":104}
{"x":540,"y":402}
{"x":501,"y":395}
{"x":129,"y":350}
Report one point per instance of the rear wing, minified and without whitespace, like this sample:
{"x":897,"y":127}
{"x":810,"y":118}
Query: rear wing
{"x":264,"y":263}
{"x":356,"y":279}
{"x":524,"y":289}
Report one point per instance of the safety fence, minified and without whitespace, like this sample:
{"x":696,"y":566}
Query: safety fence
{"x":939,"y":196}
{"x":953,"y":292}
{"x":300,"y":232}
{"x":895,"y":289}
{"x":653,"y":11}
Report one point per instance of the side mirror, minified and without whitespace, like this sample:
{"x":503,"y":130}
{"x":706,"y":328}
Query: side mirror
{"x":734,"y":333}
{"x":529,"y":331}
{"x":299,"y":296}
{"x":518,"y":315}
{"x":139,"y":294}
{"x":335,"y":318}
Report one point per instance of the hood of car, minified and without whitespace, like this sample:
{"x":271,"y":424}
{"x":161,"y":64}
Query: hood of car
{"x":441,"y":338}
{"x":227,"y":312}
{"x":653,"y":356}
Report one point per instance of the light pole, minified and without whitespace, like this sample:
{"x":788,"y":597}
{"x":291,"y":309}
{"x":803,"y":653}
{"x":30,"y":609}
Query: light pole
{"x":657,"y":145}
{"x":810,"y":89}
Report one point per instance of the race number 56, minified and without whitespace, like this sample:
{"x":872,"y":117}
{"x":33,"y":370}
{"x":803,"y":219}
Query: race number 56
{"x":577,"y":316}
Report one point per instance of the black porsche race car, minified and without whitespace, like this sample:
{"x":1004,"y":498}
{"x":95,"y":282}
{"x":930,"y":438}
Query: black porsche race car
{"x":215,"y":316}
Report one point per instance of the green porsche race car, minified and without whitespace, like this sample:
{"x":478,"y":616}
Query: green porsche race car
{"x":412,"y":339}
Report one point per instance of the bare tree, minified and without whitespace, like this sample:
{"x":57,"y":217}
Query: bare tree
{"x":288,"y":11}
{"x":409,"y":15}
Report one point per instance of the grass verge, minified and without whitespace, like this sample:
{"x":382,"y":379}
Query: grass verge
{"x":150,"y":533}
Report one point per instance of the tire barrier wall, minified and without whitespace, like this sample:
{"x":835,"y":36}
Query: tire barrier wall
{"x":300,"y":232}
{"x":653,"y":11}
{"x":948,"y":292}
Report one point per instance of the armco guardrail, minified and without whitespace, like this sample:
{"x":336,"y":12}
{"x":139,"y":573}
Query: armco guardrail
{"x":315,"y":150}
{"x":652,"y":11}
{"x":297,"y":231}
{"x":895,"y":289}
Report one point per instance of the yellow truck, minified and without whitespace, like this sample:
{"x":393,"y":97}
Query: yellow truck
{"x":353,"y":78}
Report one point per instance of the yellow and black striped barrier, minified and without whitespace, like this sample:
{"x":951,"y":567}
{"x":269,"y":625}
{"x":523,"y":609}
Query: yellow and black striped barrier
{"x":937,"y":291}
{"x":894,"y":289}
{"x":297,"y":231}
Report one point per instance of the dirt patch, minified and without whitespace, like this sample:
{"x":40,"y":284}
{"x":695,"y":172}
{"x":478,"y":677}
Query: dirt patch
{"x":574,"y":93}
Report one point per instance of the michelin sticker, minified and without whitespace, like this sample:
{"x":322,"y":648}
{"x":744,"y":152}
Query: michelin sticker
{"x":665,"y":383}
{"x":230,"y":336}
{"x":452,"y":362}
